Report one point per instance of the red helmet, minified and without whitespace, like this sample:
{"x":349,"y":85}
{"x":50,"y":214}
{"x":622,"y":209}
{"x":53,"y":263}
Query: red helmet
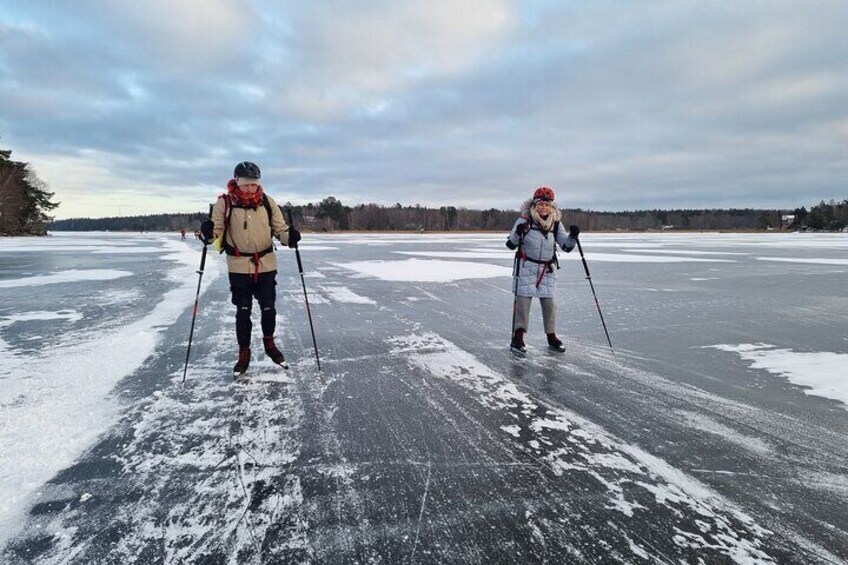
{"x":544,"y":193}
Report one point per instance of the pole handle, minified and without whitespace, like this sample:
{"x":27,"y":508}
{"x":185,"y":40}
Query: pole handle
{"x":296,"y":250}
{"x":205,"y":246}
{"x":291,"y":222}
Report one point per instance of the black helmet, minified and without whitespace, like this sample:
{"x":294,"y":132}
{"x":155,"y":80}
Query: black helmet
{"x":247,"y":169}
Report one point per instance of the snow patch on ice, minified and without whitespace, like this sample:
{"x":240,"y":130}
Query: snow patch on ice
{"x":73,"y":275}
{"x":540,"y":424}
{"x":822,"y":373}
{"x":705,"y":424}
{"x":341,"y":471}
{"x":107,"y":297}
{"x":69,"y":315}
{"x":308,"y":247}
{"x":417,"y":270}
{"x":622,"y":258}
{"x":296,"y":297}
{"x":514,"y":431}
{"x":680,"y":251}
{"x":126,"y":250}
{"x":831,"y":482}
{"x":338,"y":293}
{"x":506,"y":255}
{"x":806,"y":260}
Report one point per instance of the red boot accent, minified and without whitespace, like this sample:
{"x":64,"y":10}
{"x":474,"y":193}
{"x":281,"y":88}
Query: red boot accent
{"x":271,"y":350}
{"x":243,"y":361}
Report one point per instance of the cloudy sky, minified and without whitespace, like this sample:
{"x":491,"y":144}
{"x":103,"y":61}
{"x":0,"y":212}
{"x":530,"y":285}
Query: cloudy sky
{"x":140,"y":107}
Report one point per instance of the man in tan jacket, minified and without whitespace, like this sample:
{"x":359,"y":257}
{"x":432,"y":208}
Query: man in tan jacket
{"x":244,"y":220}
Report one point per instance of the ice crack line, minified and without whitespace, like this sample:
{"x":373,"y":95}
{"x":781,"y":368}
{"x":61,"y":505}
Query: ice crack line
{"x":421,"y":513}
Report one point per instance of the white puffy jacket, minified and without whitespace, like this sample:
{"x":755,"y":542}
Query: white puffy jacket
{"x":536,"y":276}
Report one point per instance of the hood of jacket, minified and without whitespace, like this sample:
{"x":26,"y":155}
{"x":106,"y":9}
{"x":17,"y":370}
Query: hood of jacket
{"x":529,"y":210}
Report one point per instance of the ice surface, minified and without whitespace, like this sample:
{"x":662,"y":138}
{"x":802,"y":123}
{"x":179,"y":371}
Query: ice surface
{"x":56,"y":404}
{"x":420,"y":434}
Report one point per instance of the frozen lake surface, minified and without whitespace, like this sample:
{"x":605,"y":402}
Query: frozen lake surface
{"x":717,"y":431}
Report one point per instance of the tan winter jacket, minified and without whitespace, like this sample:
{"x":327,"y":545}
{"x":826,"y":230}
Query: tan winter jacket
{"x":250,"y":232}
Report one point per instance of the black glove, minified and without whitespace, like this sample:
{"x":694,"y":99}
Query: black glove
{"x":207,"y":229}
{"x":573,"y":231}
{"x":511,"y":245}
{"x":294,"y":237}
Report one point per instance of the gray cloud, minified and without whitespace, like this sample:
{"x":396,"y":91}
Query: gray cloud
{"x":648,"y":105}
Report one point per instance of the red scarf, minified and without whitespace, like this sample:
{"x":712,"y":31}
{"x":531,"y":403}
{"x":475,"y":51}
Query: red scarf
{"x":242,"y":199}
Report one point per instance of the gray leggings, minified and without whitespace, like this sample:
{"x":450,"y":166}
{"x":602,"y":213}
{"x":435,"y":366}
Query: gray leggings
{"x":522,"y":313}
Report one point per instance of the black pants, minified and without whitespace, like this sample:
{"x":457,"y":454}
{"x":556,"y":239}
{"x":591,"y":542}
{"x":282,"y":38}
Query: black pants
{"x":244,"y":290}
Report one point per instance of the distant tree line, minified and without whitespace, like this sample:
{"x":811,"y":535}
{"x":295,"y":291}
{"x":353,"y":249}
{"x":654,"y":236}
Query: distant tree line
{"x":24,"y":198}
{"x":152,"y":222}
{"x":332,"y":215}
{"x":829,"y":216}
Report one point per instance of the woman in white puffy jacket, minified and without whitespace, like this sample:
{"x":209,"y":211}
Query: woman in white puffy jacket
{"x":534,"y":237}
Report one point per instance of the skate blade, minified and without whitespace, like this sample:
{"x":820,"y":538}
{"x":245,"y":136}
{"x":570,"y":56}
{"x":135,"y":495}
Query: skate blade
{"x":518,"y":353}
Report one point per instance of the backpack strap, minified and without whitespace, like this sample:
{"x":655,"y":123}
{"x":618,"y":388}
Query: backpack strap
{"x":521,"y":255}
{"x":232,"y":250}
{"x":267,"y":204}
{"x":228,"y":216}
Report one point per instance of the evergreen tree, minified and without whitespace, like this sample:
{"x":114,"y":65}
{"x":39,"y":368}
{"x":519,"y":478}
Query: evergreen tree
{"x":24,"y":199}
{"x":37,"y":202}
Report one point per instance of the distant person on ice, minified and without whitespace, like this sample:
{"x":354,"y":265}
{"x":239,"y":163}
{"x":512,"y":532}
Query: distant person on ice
{"x":534,"y":237}
{"x":245,"y":219}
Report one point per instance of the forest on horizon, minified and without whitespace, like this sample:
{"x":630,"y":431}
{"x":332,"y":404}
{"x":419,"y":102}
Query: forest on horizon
{"x":331,"y":215}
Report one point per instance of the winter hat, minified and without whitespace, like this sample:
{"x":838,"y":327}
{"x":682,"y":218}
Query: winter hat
{"x":544,"y":193}
{"x":247,"y":173}
{"x":247,"y":169}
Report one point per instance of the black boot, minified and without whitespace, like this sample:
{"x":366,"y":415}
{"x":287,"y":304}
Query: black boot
{"x":555,"y":344}
{"x":517,"y":345}
{"x":271,"y":351}
{"x":243,"y":362}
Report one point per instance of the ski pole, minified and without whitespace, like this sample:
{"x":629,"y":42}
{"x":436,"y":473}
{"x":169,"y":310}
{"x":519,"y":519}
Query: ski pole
{"x":592,"y":286}
{"x":196,"y":299}
{"x":515,"y":268}
{"x":305,"y":296}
